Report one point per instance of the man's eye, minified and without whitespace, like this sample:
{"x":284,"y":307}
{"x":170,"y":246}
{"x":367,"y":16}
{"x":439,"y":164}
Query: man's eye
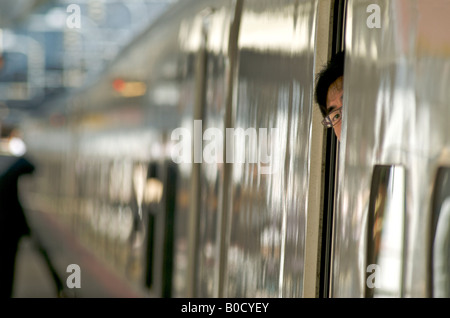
{"x":336,"y":117}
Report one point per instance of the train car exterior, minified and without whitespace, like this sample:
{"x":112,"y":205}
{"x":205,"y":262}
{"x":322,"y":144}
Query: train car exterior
{"x":197,"y":165}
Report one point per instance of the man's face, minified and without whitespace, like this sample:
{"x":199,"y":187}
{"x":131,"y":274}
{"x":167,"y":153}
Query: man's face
{"x":335,"y":101}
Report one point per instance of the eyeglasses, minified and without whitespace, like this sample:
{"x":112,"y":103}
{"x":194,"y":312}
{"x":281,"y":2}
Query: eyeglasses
{"x":333,"y":118}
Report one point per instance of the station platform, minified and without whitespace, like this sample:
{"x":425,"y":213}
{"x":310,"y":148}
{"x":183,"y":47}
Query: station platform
{"x":33,"y":277}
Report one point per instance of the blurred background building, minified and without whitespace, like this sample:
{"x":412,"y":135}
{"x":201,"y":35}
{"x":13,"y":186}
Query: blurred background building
{"x":51,"y":46}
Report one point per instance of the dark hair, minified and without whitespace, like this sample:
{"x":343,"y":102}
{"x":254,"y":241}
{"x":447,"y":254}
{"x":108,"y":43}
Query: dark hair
{"x":333,"y":70}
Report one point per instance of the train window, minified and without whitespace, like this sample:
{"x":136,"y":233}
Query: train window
{"x":385,"y":238}
{"x":440,"y":235}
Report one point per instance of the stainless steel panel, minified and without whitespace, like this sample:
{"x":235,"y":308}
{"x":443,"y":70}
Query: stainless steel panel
{"x":267,"y":220}
{"x":396,"y":112}
{"x":216,"y":32}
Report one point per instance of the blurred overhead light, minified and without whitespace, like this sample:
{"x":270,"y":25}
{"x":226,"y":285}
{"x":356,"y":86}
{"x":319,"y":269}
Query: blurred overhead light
{"x":56,"y":18}
{"x":129,"y":89}
{"x":17,"y":147}
{"x":118,"y":84}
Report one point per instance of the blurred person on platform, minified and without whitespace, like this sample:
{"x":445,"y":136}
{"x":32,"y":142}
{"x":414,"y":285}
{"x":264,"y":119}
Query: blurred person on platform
{"x":13,"y":223}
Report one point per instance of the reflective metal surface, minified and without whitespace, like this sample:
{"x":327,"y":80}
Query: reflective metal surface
{"x":207,"y":35}
{"x":267,"y":221}
{"x":396,"y":112}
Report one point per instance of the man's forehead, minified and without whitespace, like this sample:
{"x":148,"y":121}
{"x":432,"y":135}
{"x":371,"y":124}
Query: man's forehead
{"x":338,"y":84}
{"x":334,"y":92}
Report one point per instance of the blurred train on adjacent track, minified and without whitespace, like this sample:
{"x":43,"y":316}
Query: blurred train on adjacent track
{"x":108,"y":195}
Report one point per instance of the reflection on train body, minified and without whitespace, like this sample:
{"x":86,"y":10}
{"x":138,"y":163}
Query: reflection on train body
{"x":236,"y":232}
